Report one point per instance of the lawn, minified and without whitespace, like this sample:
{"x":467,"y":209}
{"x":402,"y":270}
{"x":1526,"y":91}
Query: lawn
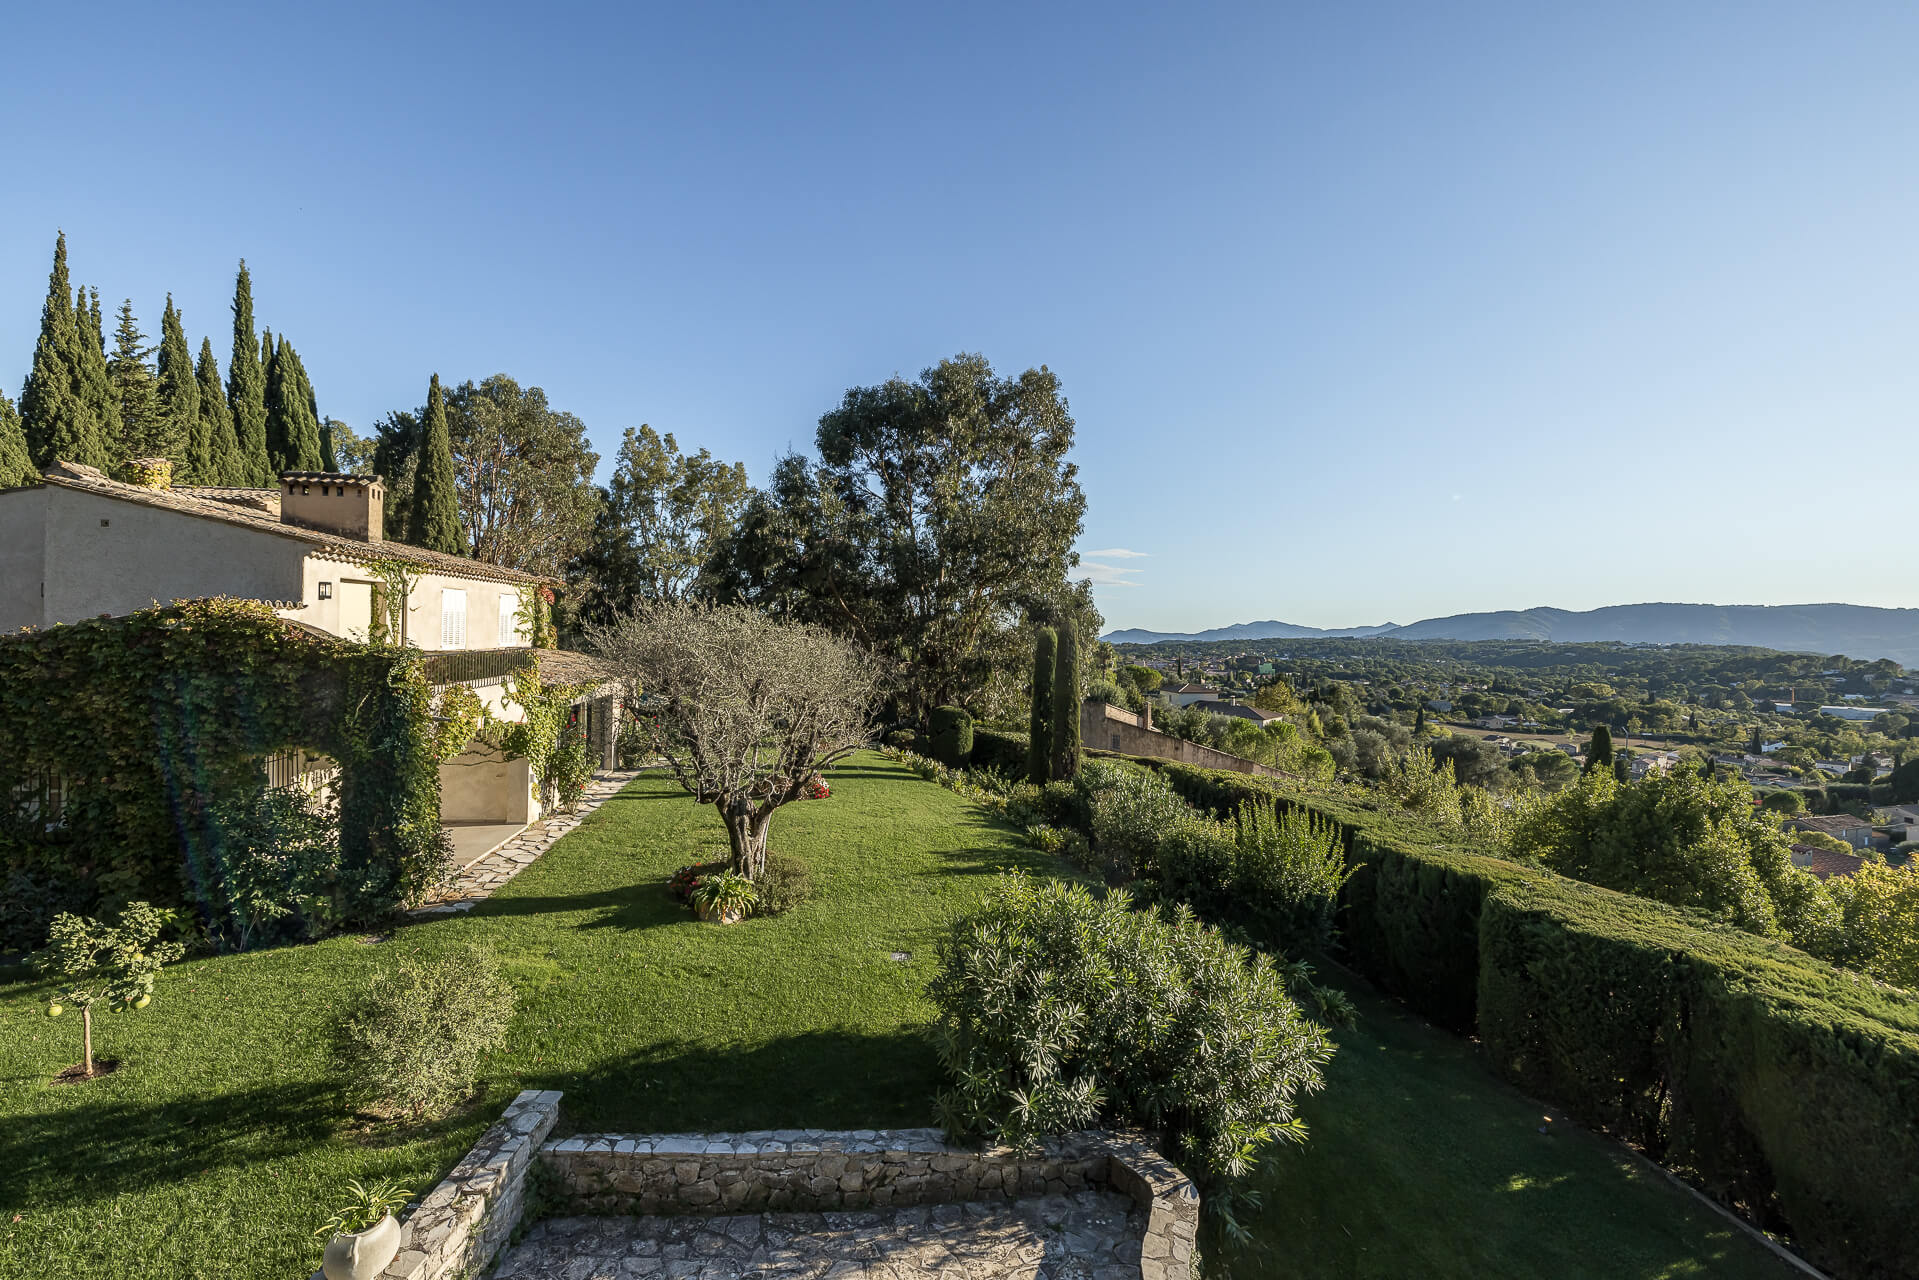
{"x":218,"y":1146}
{"x":1419,"y":1163}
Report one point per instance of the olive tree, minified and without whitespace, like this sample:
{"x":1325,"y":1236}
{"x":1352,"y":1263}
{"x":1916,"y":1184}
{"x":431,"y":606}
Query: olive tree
{"x":746,"y":709}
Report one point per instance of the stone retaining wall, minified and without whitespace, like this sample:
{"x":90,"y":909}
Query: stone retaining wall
{"x":459,"y":1226}
{"x":818,"y":1170}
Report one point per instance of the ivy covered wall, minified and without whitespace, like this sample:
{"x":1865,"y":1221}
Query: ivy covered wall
{"x":157,"y":723}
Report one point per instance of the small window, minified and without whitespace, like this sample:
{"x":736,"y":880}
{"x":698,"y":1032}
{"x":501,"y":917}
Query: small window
{"x":452,"y":619}
{"x":509,"y":621}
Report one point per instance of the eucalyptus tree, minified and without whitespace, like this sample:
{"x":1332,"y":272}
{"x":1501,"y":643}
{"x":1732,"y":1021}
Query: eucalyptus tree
{"x":941,"y":513}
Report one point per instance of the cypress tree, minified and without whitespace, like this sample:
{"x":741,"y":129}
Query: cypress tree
{"x":247,"y":389}
{"x":1039,"y":750}
{"x":16,"y":467}
{"x":1066,"y":705}
{"x":178,"y":391}
{"x":52,"y":417}
{"x":435,"y":519}
{"x":1419,"y":722}
{"x":226,"y":464}
{"x":96,"y":389}
{"x":293,"y":435}
{"x":1599,"y":750}
{"x":143,"y":428}
{"x":329,"y":456}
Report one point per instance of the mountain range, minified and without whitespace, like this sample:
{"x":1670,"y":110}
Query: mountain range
{"x":1858,"y":631}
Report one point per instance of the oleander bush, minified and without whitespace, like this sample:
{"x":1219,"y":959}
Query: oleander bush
{"x":1058,"y":1010}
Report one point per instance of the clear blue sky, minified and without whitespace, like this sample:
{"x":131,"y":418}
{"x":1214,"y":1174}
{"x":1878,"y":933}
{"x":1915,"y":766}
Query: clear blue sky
{"x":1365,"y":311}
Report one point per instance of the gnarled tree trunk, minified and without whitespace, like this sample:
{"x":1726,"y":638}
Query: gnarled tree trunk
{"x":746,"y":826}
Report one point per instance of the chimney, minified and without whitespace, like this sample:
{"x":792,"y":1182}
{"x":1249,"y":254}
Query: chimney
{"x":151,"y":473}
{"x":350,"y":506}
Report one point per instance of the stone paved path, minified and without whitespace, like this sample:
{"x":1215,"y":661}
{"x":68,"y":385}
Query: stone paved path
{"x":1092,"y":1235}
{"x":478,"y":881}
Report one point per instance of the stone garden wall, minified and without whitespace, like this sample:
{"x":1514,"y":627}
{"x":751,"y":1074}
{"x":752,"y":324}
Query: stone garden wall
{"x":818,"y":1170}
{"x":462,"y":1223}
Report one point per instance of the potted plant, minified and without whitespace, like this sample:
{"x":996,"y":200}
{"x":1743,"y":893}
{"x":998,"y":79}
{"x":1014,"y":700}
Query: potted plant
{"x":363,"y":1234}
{"x":725,"y":897}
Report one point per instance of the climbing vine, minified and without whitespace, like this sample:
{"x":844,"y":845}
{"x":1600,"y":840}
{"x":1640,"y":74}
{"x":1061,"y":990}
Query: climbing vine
{"x":549,"y":740}
{"x":457,"y":718}
{"x":396,"y":578}
{"x":536,"y":607}
{"x":124,"y":740}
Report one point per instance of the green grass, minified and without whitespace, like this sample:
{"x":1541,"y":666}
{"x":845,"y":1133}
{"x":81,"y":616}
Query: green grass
{"x":1420,"y":1163}
{"x":221,"y":1142}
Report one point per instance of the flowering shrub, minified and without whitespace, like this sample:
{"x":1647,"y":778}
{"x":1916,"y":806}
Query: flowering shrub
{"x":687,"y":878}
{"x":817,"y":789}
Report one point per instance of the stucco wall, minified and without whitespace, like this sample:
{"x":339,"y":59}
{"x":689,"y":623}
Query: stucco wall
{"x":23,"y":514}
{"x":1104,"y":727}
{"x":479,"y":785}
{"x":484,"y":601}
{"x":144,"y":555}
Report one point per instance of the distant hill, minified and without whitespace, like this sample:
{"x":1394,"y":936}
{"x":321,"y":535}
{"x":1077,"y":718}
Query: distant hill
{"x":1857,"y":631}
{"x":1249,"y":631}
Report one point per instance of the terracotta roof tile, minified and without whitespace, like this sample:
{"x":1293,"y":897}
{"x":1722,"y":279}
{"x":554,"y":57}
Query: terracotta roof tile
{"x":1825,"y":863}
{"x":71,"y":475}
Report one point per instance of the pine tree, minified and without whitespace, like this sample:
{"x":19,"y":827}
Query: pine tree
{"x":293,"y":435}
{"x":435,"y":521}
{"x":178,"y":390}
{"x":16,"y":468}
{"x":247,"y":388}
{"x":226,"y":464}
{"x":1065,"y":743}
{"x":1039,"y":749}
{"x":145,"y":429}
{"x":95,"y":387}
{"x":52,"y":417}
{"x":1599,"y":750}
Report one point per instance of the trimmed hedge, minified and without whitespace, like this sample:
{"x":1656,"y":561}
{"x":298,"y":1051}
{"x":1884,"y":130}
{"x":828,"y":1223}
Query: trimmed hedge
{"x":952,"y":736}
{"x":1000,"y":749}
{"x":1785,"y":1087}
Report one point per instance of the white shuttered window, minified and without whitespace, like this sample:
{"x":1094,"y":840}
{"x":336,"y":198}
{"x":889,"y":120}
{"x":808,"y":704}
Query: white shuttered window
{"x":509,"y":622}
{"x":452,"y":619}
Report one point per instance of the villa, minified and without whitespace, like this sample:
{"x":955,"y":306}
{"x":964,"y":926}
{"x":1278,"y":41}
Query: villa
{"x":82,"y":545}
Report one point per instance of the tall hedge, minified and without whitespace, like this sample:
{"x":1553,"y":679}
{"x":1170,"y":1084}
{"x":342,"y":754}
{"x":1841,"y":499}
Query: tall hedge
{"x":1001,"y":750}
{"x":1787,"y":1088}
{"x":1065,"y":743}
{"x":952,"y":736}
{"x":1039,"y":736}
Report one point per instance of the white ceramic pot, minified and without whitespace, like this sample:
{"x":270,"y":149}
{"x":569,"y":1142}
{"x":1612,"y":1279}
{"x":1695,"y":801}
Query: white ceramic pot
{"x":364,"y":1254}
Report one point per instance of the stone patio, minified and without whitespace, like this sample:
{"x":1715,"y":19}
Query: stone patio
{"x":1089,"y":1235}
{"x":476,"y":881}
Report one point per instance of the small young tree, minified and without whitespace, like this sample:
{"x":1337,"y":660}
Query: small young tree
{"x":1039,"y":749}
{"x":746,"y":710}
{"x":91,"y":963}
{"x":1065,"y":744}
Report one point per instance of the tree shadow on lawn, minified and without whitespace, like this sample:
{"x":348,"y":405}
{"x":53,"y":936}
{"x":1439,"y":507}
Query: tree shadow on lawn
{"x":645,"y":905}
{"x":112,"y":1145}
{"x":829,"y":1079}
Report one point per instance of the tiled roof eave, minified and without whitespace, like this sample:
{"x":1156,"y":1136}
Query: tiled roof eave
{"x":329,"y":546}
